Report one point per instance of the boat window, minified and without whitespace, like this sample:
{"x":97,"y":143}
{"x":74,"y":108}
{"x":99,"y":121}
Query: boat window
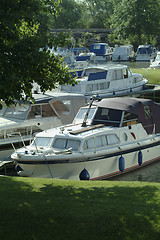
{"x":110,"y":117}
{"x":112,"y":139}
{"x":47,"y":111}
{"x":96,"y":87}
{"x":97,"y":46}
{"x":89,"y":143}
{"x":97,"y":76}
{"x":41,"y":141}
{"x":44,"y":110}
{"x":65,"y":143}
{"x":34,"y":112}
{"x":129,"y":119}
{"x":82,"y":112}
{"x":92,"y":87}
{"x":62,"y":107}
{"x":147,"y":112}
{"x":18,"y":111}
{"x":125,"y":73}
{"x":104,"y":85}
{"x":101,"y":141}
{"x":117,"y":74}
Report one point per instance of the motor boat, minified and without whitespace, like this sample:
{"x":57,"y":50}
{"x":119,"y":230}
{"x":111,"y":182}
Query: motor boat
{"x":123,"y":53}
{"x":105,"y":81}
{"x":107,"y":138}
{"x":156,"y":63}
{"x":22,"y":120}
{"x":102,"y":51}
{"x":146,"y":53}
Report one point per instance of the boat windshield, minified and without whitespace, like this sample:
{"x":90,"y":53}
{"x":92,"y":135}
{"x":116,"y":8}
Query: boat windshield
{"x":41,"y":141}
{"x":66,"y":143}
{"x":18,"y":111}
{"x":83,"y":111}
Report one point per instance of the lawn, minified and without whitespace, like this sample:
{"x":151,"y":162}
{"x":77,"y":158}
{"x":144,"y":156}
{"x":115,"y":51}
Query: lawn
{"x":64,"y":209}
{"x":153,"y":75}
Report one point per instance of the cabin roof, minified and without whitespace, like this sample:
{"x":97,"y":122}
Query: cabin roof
{"x":137,"y":106}
{"x":122,"y":103}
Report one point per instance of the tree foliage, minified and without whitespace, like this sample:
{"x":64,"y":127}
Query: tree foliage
{"x":70,"y":15}
{"x":136,"y":18}
{"x":100,"y":12}
{"x":24,"y":30}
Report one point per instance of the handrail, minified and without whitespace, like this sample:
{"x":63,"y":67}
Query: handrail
{"x":9,"y":135}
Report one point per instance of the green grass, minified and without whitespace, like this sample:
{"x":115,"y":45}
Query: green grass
{"x":66,"y":210}
{"x":153,"y":75}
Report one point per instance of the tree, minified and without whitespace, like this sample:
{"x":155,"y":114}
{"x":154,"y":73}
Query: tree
{"x":100,"y":12}
{"x":136,"y":18}
{"x":24,"y":30}
{"x":70,"y":15}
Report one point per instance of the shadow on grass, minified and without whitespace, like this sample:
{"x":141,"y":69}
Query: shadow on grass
{"x":48,"y":209}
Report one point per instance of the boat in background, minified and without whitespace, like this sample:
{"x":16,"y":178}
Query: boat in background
{"x":123,"y":53}
{"x":156,"y":63}
{"x":105,"y":81}
{"x":102,"y":51}
{"x":107,"y":138}
{"x":146,"y":53}
{"x":21,"y":121}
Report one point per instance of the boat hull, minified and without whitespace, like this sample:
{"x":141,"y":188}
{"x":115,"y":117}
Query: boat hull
{"x":98,"y":166}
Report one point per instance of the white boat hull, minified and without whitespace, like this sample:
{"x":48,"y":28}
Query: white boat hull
{"x":99,"y":166}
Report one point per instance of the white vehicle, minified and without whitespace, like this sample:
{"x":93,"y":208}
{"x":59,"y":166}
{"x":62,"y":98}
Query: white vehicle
{"x":156,"y":63}
{"x":110,"y":137}
{"x":105,"y":81}
{"x":146,"y":53}
{"x":102,"y":51}
{"x":123,"y":53}
{"x":20,"y":122}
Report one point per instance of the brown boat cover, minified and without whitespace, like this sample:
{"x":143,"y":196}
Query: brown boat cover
{"x":138,"y":106}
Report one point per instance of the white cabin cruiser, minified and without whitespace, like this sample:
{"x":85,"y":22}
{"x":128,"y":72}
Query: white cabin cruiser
{"x":123,"y":53}
{"x":156,"y":63}
{"x":105,"y":81}
{"x":146,"y":53}
{"x":19,"y":122}
{"x":110,"y":137}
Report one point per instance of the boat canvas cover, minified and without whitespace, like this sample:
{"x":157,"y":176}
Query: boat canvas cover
{"x":139,"y":107}
{"x":98,"y":48}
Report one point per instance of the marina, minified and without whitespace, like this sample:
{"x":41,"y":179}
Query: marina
{"x":110,"y":137}
{"x":152,"y":92}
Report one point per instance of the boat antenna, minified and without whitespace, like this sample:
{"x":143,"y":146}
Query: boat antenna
{"x":87,"y":113}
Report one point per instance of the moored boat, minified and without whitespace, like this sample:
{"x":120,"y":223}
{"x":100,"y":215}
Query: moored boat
{"x":21,"y":121}
{"x":110,"y":137}
{"x":146,"y":53}
{"x":156,"y":63}
{"x":123,"y":53}
{"x":105,"y":81}
{"x":102,"y":51}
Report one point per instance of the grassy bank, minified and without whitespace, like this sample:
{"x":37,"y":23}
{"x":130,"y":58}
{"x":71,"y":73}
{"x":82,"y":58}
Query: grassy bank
{"x":153,"y":75}
{"x":62,"y":209}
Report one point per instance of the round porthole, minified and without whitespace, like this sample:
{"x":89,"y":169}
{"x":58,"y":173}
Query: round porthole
{"x":125,"y":137}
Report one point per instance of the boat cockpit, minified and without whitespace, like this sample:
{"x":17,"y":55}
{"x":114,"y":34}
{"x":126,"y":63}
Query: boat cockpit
{"x":106,"y":116}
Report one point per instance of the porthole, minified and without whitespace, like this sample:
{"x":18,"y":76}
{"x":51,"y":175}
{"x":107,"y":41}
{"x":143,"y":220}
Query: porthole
{"x":125,"y":137}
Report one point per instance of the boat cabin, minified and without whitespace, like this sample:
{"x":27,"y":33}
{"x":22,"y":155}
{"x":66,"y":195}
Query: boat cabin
{"x":119,"y":112}
{"x":103,"y":80}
